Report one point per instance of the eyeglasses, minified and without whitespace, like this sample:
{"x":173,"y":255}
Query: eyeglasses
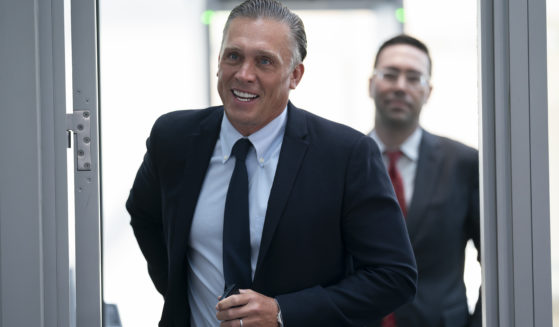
{"x":413,"y":79}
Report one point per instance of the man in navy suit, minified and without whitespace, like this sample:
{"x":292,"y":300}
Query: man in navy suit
{"x":436,"y":183}
{"x":326,"y":243}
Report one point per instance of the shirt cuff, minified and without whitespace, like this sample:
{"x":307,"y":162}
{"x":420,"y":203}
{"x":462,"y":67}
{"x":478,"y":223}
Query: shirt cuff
{"x":279,"y":317}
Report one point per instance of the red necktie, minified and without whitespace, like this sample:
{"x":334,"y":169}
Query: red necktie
{"x":398,"y":183}
{"x":389,"y":321}
{"x":396,"y":178}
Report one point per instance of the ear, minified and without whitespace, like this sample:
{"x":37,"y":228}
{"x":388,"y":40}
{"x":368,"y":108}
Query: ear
{"x":296,"y":76}
{"x":371,"y":87}
{"x":427,"y":93}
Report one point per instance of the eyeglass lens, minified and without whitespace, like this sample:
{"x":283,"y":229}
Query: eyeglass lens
{"x":392,"y":76}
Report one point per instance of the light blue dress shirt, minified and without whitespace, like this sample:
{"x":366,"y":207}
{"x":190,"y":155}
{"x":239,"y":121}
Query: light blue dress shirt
{"x":205,"y":252}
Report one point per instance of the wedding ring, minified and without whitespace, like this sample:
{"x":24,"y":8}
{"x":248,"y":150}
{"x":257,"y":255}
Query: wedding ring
{"x":241,"y":321}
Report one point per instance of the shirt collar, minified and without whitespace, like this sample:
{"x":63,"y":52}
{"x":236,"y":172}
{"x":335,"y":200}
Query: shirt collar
{"x":410,"y":147}
{"x":263,"y":140}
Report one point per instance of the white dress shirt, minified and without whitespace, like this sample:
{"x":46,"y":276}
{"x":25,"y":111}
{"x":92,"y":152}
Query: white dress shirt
{"x":205,"y":244}
{"x":407,"y":164}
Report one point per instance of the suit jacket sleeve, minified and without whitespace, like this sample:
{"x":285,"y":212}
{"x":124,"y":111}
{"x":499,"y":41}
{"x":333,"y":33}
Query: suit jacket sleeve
{"x":144,"y":206}
{"x":375,"y":237}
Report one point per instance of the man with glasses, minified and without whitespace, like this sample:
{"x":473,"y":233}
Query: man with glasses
{"x":436,"y":183}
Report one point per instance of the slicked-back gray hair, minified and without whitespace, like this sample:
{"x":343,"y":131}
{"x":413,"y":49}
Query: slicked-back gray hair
{"x":275,"y":10}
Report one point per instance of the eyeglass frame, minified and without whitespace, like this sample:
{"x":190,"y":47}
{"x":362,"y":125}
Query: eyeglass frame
{"x":409,"y":76}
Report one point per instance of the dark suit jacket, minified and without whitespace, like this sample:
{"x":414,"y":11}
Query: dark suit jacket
{"x":443,"y":215}
{"x":334,"y":249}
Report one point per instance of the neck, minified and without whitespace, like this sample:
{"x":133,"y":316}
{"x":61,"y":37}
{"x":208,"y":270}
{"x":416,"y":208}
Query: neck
{"x":393,"y":138}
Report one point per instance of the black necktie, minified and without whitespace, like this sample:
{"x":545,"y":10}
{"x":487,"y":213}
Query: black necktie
{"x":236,"y":229}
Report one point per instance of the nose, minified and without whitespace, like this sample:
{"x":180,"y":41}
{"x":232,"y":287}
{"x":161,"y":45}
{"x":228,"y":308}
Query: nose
{"x":245,"y":72}
{"x":401,"y":83}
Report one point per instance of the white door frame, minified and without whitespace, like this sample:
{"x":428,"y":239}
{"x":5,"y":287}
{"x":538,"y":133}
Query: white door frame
{"x":85,"y":94}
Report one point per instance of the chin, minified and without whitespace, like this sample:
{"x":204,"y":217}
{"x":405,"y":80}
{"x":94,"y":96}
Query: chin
{"x":399,"y":122}
{"x":241,"y":118}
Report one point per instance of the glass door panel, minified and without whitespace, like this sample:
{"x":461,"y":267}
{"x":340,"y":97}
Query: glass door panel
{"x":152,"y":61}
{"x":452,"y":110}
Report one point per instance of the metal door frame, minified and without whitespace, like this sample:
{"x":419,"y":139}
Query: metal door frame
{"x":514,"y":164}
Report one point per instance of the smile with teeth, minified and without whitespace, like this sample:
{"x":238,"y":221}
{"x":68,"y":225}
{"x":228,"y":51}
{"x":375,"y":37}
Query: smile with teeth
{"x":244,"y":96}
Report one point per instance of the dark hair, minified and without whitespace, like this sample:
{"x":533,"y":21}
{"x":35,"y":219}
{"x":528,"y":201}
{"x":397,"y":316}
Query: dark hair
{"x":275,"y":10}
{"x":408,"y":40}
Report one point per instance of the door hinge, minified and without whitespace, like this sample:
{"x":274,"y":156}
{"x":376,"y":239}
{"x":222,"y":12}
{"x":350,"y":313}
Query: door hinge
{"x":79,"y":124}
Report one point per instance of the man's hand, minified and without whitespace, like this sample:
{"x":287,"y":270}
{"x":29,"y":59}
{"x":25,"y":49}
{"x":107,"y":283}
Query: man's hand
{"x":253,"y":308}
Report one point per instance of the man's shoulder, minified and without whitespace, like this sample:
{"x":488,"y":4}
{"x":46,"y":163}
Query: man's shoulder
{"x":189,"y":117}
{"x":174,"y":128}
{"x":318,"y":126}
{"x":326,"y":137}
{"x":448,"y":145}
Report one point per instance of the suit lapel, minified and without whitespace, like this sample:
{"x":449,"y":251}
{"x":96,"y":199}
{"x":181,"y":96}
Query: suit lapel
{"x":426,"y":178}
{"x":293,"y":150}
{"x":199,"y":149}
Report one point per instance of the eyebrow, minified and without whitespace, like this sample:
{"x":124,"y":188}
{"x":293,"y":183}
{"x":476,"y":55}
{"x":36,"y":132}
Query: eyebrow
{"x":404,"y":70}
{"x":228,"y":49}
{"x":264,"y":53}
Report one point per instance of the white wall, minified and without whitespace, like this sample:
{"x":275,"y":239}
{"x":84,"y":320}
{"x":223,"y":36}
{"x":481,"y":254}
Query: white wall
{"x":450,"y":32}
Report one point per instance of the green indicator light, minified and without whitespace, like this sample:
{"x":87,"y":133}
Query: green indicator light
{"x":400,"y":16}
{"x":207,"y":17}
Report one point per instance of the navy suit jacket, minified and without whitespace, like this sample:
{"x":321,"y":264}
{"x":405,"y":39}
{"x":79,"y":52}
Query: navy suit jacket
{"x":443,"y":215}
{"x":334,"y":249}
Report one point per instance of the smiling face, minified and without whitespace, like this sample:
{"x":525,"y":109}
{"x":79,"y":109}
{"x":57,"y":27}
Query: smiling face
{"x":398,"y":102}
{"x":255,"y":72}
